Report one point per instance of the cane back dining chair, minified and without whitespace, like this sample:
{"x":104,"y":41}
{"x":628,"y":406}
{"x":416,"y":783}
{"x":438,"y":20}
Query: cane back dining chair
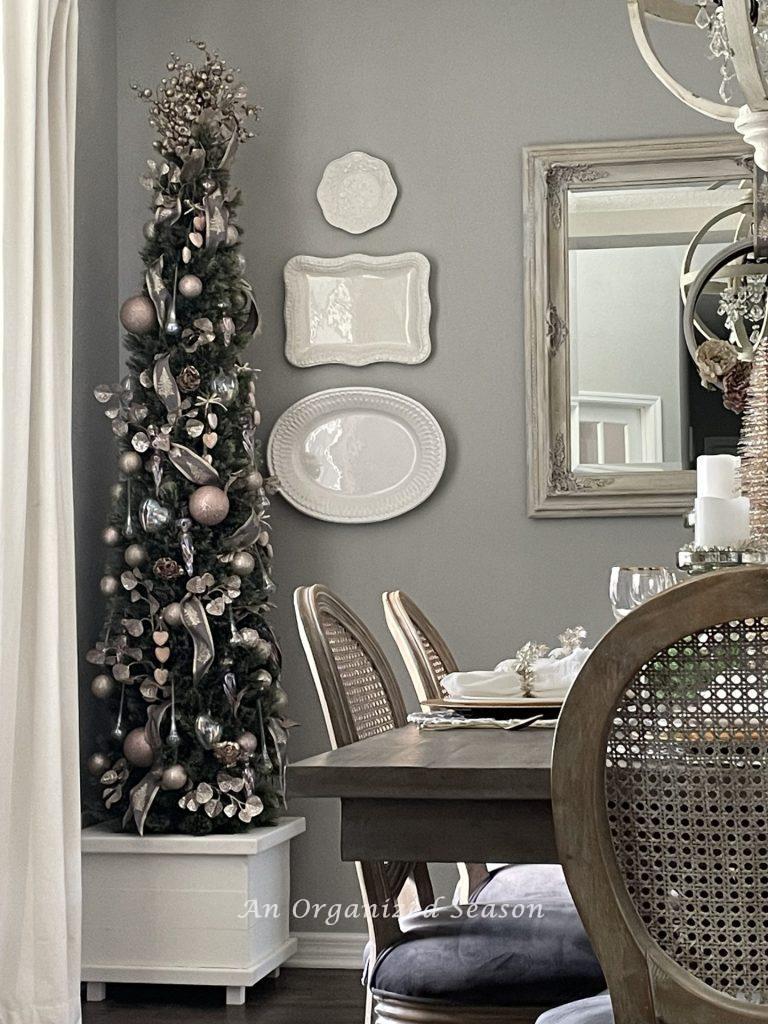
{"x":438,"y":966}
{"x":427,"y":657}
{"x":660,"y":797}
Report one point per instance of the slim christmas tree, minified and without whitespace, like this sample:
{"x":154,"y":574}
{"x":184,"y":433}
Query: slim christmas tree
{"x":753,"y":448}
{"x":186,"y":659}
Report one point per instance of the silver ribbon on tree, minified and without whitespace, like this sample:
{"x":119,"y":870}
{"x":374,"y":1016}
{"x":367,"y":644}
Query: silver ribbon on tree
{"x":229,"y":153}
{"x":252,"y":323}
{"x":165,"y":386}
{"x":245,"y":535}
{"x":216,"y":220}
{"x":279,"y":735}
{"x":192,"y":466}
{"x":196,"y":623}
{"x":143,"y":794}
{"x":158,"y":293}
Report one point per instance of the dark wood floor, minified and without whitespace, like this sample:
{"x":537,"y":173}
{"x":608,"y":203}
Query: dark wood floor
{"x":296,"y":997}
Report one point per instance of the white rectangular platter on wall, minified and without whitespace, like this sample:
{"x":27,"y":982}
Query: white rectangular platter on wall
{"x":357,"y":309}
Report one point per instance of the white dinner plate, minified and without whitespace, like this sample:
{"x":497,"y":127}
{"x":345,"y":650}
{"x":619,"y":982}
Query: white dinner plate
{"x":356,"y":455}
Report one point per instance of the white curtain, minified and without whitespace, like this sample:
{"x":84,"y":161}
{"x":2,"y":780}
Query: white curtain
{"x":39,"y":800}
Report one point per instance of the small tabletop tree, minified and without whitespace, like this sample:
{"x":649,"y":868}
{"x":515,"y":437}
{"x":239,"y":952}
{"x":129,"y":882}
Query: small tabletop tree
{"x":186,"y":658}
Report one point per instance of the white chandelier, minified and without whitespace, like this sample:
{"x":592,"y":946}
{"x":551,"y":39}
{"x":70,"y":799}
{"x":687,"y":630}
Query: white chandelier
{"x":736,"y":33}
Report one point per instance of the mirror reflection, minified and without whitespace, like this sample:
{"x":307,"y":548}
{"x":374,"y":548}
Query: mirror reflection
{"x":637,"y":404}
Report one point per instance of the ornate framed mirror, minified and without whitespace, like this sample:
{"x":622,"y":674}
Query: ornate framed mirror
{"x":616,"y":415}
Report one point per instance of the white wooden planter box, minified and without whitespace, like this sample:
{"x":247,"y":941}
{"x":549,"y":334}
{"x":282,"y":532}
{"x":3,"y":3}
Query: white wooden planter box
{"x":175,"y":909}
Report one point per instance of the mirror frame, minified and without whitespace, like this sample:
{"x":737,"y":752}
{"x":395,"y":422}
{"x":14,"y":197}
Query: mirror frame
{"x":550,"y":174}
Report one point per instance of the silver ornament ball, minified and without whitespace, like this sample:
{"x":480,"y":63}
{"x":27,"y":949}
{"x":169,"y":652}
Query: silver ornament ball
{"x":243,"y":563}
{"x":247,"y":742}
{"x":137,"y":749}
{"x":172,"y":615}
{"x":209,"y":505}
{"x":135,"y":555}
{"x":254,"y":480}
{"x":190,"y":286}
{"x":111,"y":536}
{"x":109,"y":585}
{"x":174,"y":777}
{"x":130,"y":463}
{"x":98,"y":764}
{"x":263,"y":679}
{"x":137,"y":315}
{"x":102,"y":686}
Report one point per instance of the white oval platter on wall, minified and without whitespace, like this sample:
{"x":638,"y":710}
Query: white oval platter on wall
{"x":356,"y":192}
{"x":357,"y":309}
{"x":356,"y":455}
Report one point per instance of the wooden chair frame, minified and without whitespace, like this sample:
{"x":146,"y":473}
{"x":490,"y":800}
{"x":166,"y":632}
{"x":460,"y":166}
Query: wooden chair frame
{"x":646,"y":985}
{"x":405,"y":621}
{"x":386,"y":888}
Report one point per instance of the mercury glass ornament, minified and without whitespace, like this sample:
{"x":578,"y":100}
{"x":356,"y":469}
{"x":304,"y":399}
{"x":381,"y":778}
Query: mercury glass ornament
{"x":224,"y":387}
{"x":111,"y":536}
{"x":153,"y":516}
{"x":102,"y":686}
{"x":174,"y":777}
{"x":172,"y":615}
{"x":98,"y":764}
{"x":190,"y":286}
{"x":137,"y":315}
{"x":243,"y":563}
{"x":109,"y":585}
{"x":247,"y":742}
{"x":130,"y":463}
{"x":209,"y":505}
{"x":137,"y":749}
{"x":135,"y":555}
{"x":207,"y":730}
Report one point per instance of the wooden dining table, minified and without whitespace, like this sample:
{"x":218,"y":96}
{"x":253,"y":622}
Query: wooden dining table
{"x":471,"y":795}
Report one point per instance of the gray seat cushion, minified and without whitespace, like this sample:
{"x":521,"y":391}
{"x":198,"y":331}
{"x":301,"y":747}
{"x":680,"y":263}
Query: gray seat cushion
{"x":521,"y":883}
{"x":521,"y":944}
{"x":586,"y":1011}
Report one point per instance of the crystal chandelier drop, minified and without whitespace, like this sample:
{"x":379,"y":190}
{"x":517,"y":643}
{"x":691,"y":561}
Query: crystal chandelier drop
{"x":711,"y":19}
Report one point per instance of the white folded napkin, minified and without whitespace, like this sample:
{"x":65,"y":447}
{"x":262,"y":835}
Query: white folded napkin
{"x":552,"y":677}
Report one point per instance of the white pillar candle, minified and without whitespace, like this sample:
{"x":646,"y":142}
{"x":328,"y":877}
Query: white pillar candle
{"x":718,"y":476}
{"x":722,"y":522}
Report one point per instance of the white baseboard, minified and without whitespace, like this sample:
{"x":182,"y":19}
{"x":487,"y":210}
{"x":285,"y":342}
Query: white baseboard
{"x":329,"y":950}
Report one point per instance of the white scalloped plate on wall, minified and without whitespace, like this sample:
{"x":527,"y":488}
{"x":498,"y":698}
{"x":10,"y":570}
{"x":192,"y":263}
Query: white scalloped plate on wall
{"x":357,"y":309}
{"x":356,"y":455}
{"x":356,"y":192}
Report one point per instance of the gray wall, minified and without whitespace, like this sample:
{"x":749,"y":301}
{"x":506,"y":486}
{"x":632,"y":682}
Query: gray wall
{"x":448,"y":91}
{"x":96,"y":355}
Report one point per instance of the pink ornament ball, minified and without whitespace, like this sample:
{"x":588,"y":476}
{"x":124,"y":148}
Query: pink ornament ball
{"x":137,"y":750}
{"x":137,"y":315}
{"x":209,"y":505}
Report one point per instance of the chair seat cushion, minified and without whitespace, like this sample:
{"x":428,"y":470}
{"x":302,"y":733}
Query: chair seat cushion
{"x":587,"y":1011}
{"x":522,"y":883}
{"x":506,"y":953}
